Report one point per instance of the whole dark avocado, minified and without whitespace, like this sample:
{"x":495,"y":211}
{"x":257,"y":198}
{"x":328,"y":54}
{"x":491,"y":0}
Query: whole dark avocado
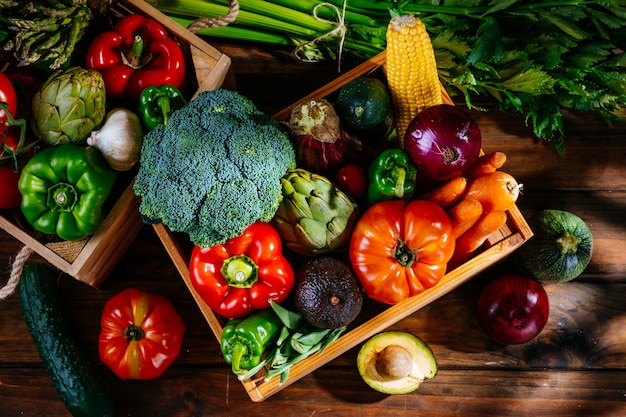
{"x":327,"y":293}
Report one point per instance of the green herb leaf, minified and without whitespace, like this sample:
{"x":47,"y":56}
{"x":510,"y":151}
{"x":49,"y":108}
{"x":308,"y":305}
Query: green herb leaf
{"x":290,"y":319}
{"x":489,"y":46}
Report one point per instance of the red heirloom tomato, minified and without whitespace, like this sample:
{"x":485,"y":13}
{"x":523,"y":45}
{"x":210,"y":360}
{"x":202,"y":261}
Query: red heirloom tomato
{"x":141,"y":334}
{"x":244,"y":273}
{"x":399,"y":249}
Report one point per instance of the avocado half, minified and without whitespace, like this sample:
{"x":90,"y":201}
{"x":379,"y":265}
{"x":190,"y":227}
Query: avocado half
{"x":396,"y":362}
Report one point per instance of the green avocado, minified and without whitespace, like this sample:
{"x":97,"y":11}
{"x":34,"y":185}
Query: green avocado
{"x":326,"y":293}
{"x":395,"y":362}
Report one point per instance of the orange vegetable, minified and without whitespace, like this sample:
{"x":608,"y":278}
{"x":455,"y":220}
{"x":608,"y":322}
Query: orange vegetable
{"x":486,"y":164}
{"x":475,"y":236}
{"x":463,"y":215}
{"x":447,"y":193}
{"x":495,"y":191}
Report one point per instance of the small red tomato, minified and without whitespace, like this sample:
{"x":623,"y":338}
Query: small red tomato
{"x":7,"y":96}
{"x":352,"y":180}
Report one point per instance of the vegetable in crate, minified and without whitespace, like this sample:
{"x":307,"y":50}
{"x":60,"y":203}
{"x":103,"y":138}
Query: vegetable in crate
{"x":64,"y":189}
{"x":16,"y":148}
{"x":246,"y":340}
{"x":327,"y":293}
{"x":8,"y":96}
{"x":119,"y":139}
{"x":443,"y":141}
{"x":157,"y":103}
{"x":411,"y":70}
{"x":214,"y":169}
{"x":43,"y":32}
{"x":399,"y":249}
{"x":364,"y":106}
{"x":243,"y":274}
{"x":140,"y":334}
{"x":80,"y":386}
{"x":136,"y":54}
{"x":391,"y":175}
{"x":68,"y":106}
{"x":314,"y":217}
{"x":560,"y":249}
{"x":321,"y":143}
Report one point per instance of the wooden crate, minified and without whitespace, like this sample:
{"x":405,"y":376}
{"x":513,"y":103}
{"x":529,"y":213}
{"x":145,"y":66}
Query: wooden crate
{"x":374,"y":317}
{"x":92,"y":259}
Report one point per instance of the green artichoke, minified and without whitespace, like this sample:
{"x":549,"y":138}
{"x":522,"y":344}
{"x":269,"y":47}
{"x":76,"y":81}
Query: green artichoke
{"x":314,"y":216}
{"x":68,"y":106}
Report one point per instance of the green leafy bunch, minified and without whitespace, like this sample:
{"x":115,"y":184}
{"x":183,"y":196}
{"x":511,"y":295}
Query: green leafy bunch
{"x":537,"y":58}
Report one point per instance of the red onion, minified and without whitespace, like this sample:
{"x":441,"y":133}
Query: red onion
{"x":319,"y":140}
{"x":512,"y":309}
{"x":443,"y":141}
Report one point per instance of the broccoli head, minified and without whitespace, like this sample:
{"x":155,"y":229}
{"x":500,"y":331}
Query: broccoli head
{"x":214,"y":169}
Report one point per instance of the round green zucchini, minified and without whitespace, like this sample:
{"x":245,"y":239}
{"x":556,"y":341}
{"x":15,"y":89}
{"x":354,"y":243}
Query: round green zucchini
{"x":81,"y":388}
{"x":560,"y":249}
{"x":364,"y":107}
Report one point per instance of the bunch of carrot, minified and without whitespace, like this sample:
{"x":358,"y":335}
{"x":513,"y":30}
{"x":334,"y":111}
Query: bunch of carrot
{"x":476,"y":203}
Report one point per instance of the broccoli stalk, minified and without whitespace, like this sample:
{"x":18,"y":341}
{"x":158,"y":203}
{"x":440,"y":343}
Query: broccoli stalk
{"x":214,"y":169}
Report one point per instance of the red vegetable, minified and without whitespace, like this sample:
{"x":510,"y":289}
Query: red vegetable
{"x":243,"y":274}
{"x":352,"y":180}
{"x":141,"y":334}
{"x":512,"y":309}
{"x":9,"y":97}
{"x":399,"y":249}
{"x":320,"y":142}
{"x":137,"y":54}
{"x":26,"y":82}
{"x":443,"y":141}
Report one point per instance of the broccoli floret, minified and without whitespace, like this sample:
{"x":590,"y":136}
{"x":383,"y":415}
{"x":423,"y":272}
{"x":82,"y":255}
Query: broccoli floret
{"x":214,"y":169}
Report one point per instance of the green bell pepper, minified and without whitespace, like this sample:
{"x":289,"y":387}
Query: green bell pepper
{"x":156,"y":104}
{"x":391,"y":175}
{"x":245,"y":340}
{"x":64,"y":189}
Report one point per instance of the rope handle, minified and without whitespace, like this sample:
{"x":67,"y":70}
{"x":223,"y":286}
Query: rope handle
{"x":214,"y":22}
{"x":16,"y":271}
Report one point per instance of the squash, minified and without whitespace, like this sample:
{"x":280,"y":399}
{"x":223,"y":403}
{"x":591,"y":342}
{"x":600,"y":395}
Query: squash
{"x":560,"y":249}
{"x":364,"y":107}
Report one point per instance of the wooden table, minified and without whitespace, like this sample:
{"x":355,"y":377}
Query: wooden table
{"x":575,"y":367}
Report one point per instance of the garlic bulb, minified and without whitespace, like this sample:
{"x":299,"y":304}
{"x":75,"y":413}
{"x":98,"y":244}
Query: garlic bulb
{"x":119,"y":139}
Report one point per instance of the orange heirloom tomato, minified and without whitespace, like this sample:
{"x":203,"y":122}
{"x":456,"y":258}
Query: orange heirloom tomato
{"x":141,"y":334}
{"x":399,"y":249}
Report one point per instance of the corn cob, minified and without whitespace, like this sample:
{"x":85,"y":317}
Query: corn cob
{"x":411,"y":70}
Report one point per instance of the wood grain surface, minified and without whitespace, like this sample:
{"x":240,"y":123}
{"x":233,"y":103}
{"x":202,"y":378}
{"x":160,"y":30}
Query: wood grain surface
{"x":575,"y":367}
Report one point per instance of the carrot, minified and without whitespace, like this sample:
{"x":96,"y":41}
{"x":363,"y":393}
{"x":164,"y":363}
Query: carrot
{"x":447,"y":193}
{"x":496,"y":190}
{"x":475,"y":236}
{"x":486,"y":163}
{"x":464,"y":214}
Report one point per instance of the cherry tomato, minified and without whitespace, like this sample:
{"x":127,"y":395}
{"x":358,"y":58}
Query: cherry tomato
{"x":12,"y":159}
{"x":8,"y":96}
{"x":352,"y":180}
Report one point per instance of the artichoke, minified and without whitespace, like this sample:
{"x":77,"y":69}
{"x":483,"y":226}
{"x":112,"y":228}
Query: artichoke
{"x":68,"y":106}
{"x":314,"y":216}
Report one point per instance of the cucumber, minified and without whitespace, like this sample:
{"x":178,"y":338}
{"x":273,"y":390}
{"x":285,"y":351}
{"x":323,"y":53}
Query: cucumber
{"x":81,"y":388}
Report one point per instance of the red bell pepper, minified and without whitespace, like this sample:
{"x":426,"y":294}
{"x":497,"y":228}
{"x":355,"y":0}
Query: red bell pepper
{"x":136,"y":54}
{"x":141,"y":334}
{"x":244,"y":273}
{"x":399,"y":249}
